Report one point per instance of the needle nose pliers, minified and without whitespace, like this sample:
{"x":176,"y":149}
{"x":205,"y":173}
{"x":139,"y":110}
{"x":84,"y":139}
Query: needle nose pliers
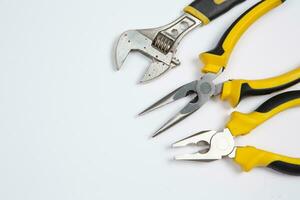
{"x":215,"y":62}
{"x":221,"y":144}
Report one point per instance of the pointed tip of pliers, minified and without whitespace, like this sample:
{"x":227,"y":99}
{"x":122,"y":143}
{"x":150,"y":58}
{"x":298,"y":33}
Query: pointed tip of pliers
{"x":160,"y":103}
{"x":144,"y":112}
{"x":157,"y":133}
{"x":141,"y":114}
{"x":170,"y":123}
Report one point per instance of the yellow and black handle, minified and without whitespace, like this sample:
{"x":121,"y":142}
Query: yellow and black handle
{"x":208,"y":10}
{"x":251,"y":157}
{"x":217,"y":59}
{"x":235,"y":90}
{"x":244,"y":123}
{"x":241,"y":124}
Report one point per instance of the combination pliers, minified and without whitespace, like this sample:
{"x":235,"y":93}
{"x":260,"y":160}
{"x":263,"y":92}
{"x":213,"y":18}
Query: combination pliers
{"x":221,"y":144}
{"x":160,"y":44}
{"x":215,"y":61}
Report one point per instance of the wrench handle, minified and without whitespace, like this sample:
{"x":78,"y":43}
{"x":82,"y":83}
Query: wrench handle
{"x":208,"y":10}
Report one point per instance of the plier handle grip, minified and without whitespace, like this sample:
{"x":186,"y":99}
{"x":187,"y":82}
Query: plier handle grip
{"x":221,"y":144}
{"x":216,"y":60}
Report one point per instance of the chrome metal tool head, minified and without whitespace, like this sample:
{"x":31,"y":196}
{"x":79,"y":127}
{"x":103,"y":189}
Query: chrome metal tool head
{"x":220,"y":144}
{"x":201,"y":91}
{"x":159,"y":44}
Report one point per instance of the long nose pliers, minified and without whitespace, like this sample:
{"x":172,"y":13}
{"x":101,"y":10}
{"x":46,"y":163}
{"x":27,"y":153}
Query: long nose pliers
{"x":215,"y":61}
{"x":221,"y":143}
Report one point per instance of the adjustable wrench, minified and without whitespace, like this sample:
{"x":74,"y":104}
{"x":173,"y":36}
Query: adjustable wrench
{"x":160,"y":44}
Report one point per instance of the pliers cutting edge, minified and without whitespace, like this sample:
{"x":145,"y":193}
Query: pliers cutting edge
{"x":160,"y":44}
{"x":215,"y":62}
{"x":221,"y":144}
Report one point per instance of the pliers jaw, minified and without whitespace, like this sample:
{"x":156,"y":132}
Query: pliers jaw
{"x":220,"y":144}
{"x":181,"y":92}
{"x":159,"y":44}
{"x":200,"y":91}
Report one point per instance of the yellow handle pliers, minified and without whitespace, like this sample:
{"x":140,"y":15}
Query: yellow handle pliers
{"x":221,"y":144}
{"x":215,"y":61}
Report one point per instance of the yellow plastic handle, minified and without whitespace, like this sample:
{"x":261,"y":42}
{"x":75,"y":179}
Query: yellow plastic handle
{"x":242,"y":124}
{"x":235,"y":90}
{"x":250,"y":157}
{"x":217,"y":59}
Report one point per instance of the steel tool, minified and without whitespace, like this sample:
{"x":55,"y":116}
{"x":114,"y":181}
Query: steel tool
{"x":215,"y":62}
{"x":160,"y":44}
{"x":221,"y":144}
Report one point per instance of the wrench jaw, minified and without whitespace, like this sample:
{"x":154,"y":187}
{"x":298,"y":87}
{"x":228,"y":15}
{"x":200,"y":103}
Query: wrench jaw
{"x":122,"y":50}
{"x":137,"y":40}
{"x":159,"y":44}
{"x":155,"y":70}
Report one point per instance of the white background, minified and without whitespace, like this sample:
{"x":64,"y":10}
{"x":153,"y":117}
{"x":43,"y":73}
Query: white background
{"x":68,"y":125}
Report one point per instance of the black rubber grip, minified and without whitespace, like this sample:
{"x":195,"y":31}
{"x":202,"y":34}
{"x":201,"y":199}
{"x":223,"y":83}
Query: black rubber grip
{"x":218,"y":50}
{"x":211,"y":9}
{"x":278,"y":100}
{"x":286,"y":168}
{"x":247,"y":91}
